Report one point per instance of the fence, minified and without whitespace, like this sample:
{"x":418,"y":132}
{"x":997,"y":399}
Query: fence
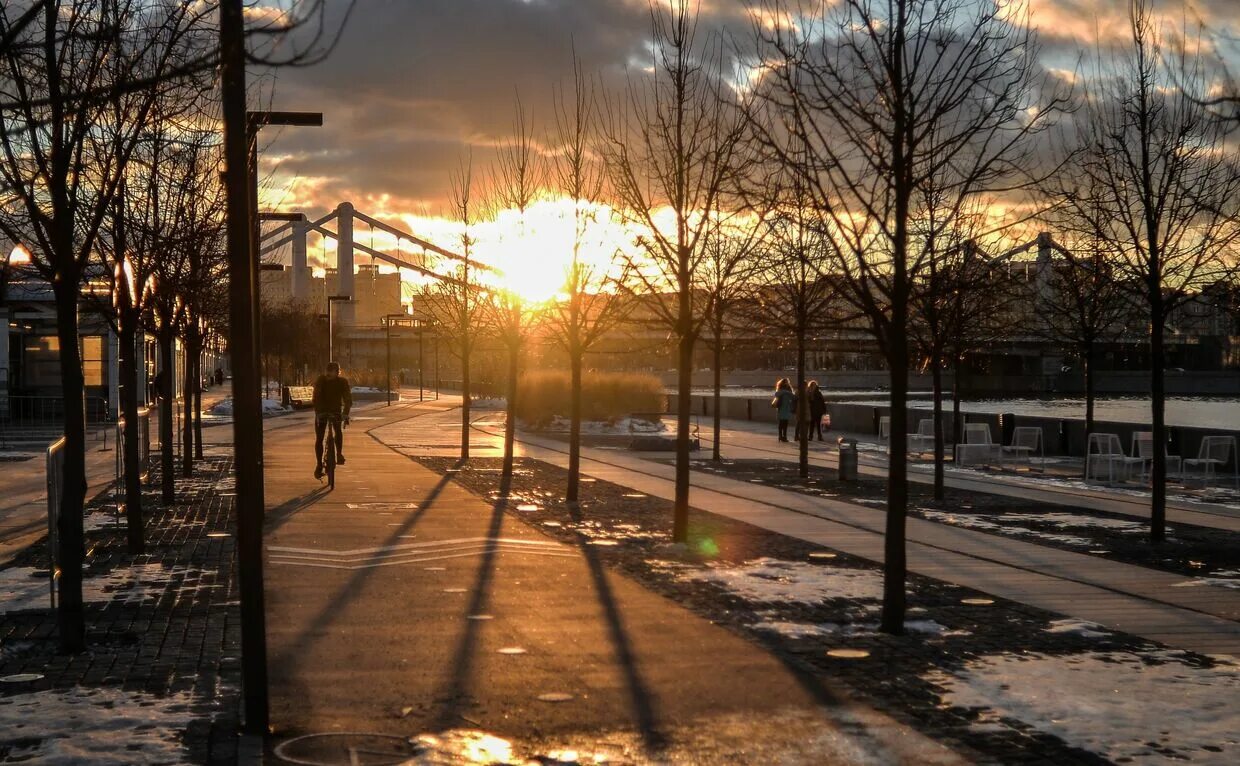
{"x":55,"y":487}
{"x":47,"y":411}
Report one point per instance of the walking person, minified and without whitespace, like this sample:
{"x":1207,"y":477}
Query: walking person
{"x":785,"y":402}
{"x":817,"y":409}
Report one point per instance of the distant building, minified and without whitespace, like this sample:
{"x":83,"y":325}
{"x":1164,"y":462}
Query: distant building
{"x":376,"y":293}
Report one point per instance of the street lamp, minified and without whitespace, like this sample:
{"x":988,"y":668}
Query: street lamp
{"x":388,"y":319}
{"x":330,"y":300}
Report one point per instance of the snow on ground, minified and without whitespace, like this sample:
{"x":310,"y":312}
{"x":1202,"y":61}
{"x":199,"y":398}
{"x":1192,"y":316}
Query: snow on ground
{"x":24,"y":588}
{"x":602,"y":534}
{"x":1228,"y":579}
{"x":92,"y":522}
{"x":366,"y":390}
{"x":770,"y":580}
{"x":804,"y":630}
{"x":985,"y":524}
{"x":270,"y":407}
{"x":1114,"y":704}
{"x":96,"y":726}
{"x":617,"y":427}
{"x":489,"y":403}
{"x":1082,"y":628}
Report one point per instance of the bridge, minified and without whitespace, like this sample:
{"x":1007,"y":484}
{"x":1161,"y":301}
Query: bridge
{"x":424,"y":258}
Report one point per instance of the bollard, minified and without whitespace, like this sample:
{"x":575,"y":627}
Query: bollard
{"x":848,"y":459}
{"x":1007,"y":427}
{"x":1063,"y":438}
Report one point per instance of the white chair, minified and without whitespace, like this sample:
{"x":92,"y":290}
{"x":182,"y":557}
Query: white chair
{"x":1025,"y":441}
{"x":1106,"y":450}
{"x":923,"y":440}
{"x":1143,"y":447}
{"x":976,"y":443}
{"x":1213,"y":456}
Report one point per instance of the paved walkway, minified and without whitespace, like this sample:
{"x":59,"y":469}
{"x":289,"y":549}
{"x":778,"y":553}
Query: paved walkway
{"x":746,"y":440}
{"x":1124,"y":597}
{"x":400,"y":603}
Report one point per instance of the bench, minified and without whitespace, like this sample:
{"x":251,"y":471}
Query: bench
{"x":301,"y":397}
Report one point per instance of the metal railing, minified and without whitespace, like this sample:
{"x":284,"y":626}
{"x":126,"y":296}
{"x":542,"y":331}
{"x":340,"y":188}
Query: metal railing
{"x":47,"y":411}
{"x":144,"y":447}
{"x":55,"y":488}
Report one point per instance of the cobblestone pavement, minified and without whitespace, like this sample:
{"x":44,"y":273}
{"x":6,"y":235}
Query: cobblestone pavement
{"x":817,"y":610}
{"x":159,"y":680}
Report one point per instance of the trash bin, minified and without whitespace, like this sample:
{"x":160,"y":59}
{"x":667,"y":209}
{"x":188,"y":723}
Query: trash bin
{"x":848,"y":459}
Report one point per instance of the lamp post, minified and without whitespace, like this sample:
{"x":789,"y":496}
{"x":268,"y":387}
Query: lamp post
{"x":388,"y":319}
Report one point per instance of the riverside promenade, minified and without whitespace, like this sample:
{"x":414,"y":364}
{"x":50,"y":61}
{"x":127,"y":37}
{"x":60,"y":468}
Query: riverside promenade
{"x":401,"y":606}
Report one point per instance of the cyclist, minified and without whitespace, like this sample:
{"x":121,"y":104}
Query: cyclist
{"x":332,"y":401}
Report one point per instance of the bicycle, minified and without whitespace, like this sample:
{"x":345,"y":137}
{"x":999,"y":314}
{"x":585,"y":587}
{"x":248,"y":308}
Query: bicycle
{"x":335,"y":437}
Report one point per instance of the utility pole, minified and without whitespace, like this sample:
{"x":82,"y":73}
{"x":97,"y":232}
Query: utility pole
{"x":247,"y":409}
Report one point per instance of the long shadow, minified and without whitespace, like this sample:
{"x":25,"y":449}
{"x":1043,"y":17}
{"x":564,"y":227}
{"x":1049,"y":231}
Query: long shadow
{"x":277,"y":516}
{"x":641,"y":700}
{"x":457,"y":686}
{"x":358,"y":578}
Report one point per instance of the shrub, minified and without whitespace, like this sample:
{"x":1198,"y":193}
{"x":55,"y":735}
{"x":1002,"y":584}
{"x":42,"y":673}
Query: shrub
{"x":605,"y":396}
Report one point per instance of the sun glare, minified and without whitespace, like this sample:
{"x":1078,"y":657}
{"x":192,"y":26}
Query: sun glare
{"x":533,"y":251}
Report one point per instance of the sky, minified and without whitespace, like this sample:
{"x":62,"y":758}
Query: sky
{"x":415,"y":87}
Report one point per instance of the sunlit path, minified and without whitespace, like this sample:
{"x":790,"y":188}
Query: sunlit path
{"x":402,"y":604}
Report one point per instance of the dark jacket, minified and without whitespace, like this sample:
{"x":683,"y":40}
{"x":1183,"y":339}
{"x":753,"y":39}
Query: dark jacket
{"x":332,"y":396}
{"x":817,"y":404}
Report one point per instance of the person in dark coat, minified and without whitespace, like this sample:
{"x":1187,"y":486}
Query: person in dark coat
{"x":785,"y":402}
{"x":817,"y":409}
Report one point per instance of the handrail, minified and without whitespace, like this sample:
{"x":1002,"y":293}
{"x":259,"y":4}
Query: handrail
{"x":55,"y":488}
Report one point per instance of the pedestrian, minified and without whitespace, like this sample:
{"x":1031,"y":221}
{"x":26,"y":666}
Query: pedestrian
{"x":785,"y":403}
{"x":817,"y":409}
{"x":219,"y":376}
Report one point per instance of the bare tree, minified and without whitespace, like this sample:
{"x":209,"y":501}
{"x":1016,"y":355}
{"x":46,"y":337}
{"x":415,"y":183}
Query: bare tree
{"x":61,"y":161}
{"x":671,"y":148}
{"x":453,"y":303}
{"x":1159,"y":186}
{"x":796,"y":295}
{"x":867,"y":99}
{"x":518,"y":178}
{"x":588,"y":310}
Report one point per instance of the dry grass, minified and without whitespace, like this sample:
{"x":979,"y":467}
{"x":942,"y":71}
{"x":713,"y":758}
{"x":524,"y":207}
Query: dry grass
{"x":605,"y":396}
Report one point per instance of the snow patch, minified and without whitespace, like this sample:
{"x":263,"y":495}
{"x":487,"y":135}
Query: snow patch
{"x":270,"y":407}
{"x":617,"y":427}
{"x":775,"y":580}
{"x":23,"y":588}
{"x":1110,"y":703}
{"x":809,"y":630}
{"x":984,"y":524}
{"x":1218,"y":582}
{"x":96,"y":726}
{"x":1082,"y":628}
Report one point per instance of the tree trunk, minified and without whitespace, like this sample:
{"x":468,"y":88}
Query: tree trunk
{"x":187,"y":408}
{"x":127,"y":342}
{"x":684,"y":401}
{"x":802,"y":414}
{"x":1158,"y":474}
{"x":894,"y":562}
{"x":70,"y":618}
{"x":717,"y":399}
{"x":168,"y":373}
{"x":575,"y":363}
{"x":510,"y":422}
{"x":1087,"y":361}
{"x":465,"y":398}
{"x":198,"y":402}
{"x":936,"y":376}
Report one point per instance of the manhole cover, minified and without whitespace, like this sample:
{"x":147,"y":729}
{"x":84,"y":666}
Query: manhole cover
{"x":527,"y":507}
{"x":434,"y":569}
{"x":552,"y":524}
{"x":634,"y":494}
{"x":219,"y":534}
{"x":21,"y":678}
{"x":346,"y":749}
{"x":848,"y":654}
{"x":512,"y":650}
{"x":977,"y":601}
{"x":822,"y":555}
{"x":555,"y":697}
{"x":479,"y":617}
{"x":455,"y":590}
